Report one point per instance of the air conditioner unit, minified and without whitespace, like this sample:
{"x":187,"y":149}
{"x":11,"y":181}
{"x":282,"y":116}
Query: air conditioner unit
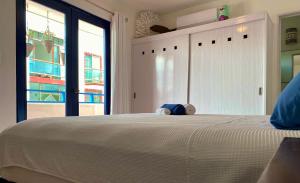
{"x":199,"y":18}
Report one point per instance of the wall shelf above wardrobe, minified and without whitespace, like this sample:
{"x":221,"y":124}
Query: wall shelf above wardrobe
{"x":222,"y":68}
{"x":205,"y":27}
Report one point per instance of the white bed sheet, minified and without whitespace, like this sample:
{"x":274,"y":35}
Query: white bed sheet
{"x":145,"y":148}
{"x":23,"y":175}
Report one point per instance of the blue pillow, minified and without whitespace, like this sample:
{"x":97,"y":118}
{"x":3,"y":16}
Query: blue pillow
{"x":176,"y":109}
{"x":286,"y":114}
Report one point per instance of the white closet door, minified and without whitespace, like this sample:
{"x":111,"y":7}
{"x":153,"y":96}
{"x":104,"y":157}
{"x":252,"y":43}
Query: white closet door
{"x":209,"y":72}
{"x":226,"y":76}
{"x":202,"y":82}
{"x":227,"y":73}
{"x":161,"y":73}
{"x":252,"y":56}
{"x":142,"y":78}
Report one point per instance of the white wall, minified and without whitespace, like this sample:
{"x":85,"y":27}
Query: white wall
{"x":239,"y":8}
{"x":8,"y":49}
{"x":7,"y":63}
{"x":84,"y":5}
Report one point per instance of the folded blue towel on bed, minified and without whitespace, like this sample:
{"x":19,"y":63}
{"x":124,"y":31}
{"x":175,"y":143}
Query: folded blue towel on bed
{"x":176,"y":109}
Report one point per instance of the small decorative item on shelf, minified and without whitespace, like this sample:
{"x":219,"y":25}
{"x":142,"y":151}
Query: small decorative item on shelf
{"x":291,"y":36}
{"x":223,"y":13}
{"x":144,"y":21}
{"x":161,"y":29}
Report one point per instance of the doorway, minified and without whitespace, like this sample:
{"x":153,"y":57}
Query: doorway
{"x":290,"y":47}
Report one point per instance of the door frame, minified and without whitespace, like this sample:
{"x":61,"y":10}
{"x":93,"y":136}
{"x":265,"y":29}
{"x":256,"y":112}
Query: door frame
{"x":72,"y":15}
{"x":278,"y":41}
{"x":76,"y":15}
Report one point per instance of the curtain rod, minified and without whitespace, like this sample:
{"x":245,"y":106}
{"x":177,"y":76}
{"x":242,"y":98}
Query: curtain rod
{"x":100,"y":7}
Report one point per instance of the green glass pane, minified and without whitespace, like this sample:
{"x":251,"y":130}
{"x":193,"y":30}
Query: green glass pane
{"x":56,"y":55}
{"x":34,"y":86}
{"x":97,"y":99}
{"x":96,"y":75}
{"x":50,"y":87}
{"x":40,"y":52}
{"x":88,"y":61}
{"x":88,"y":98}
{"x":88,"y":74}
{"x":50,"y":97}
{"x":34,"y":96}
{"x":61,"y":88}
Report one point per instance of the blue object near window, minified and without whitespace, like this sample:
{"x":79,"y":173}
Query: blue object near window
{"x":286,"y":114}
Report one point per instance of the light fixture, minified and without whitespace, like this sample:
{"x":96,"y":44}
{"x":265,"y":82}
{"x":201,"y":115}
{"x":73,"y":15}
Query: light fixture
{"x":48,"y":36}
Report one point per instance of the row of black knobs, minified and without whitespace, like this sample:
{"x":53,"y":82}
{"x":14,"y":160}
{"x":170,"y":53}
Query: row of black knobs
{"x":228,"y":39}
{"x":200,"y":44}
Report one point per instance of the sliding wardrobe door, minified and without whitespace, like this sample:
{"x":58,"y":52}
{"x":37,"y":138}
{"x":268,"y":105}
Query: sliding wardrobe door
{"x":226,"y":75}
{"x":251,"y":46}
{"x":143,"y":76}
{"x":160,"y":73}
{"x":206,"y":72}
{"x":63,"y":56}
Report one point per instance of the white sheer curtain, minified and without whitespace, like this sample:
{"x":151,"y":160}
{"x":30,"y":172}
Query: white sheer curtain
{"x":120,"y":66}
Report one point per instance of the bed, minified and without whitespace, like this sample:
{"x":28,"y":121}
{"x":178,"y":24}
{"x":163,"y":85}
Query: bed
{"x":133,"y":148}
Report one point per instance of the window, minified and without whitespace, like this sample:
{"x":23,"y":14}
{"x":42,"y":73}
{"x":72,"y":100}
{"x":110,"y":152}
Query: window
{"x":63,"y":61}
{"x":93,"y":69}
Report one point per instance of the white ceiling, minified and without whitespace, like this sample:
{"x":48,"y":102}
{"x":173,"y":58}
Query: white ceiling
{"x":162,"y":6}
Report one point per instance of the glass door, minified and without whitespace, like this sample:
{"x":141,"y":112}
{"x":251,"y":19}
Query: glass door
{"x":91,"y":69}
{"x":45,"y":61}
{"x":93,"y":58}
{"x":63,"y":61}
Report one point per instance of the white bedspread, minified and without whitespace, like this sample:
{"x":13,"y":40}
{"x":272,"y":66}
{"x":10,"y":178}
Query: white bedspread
{"x":144,"y":148}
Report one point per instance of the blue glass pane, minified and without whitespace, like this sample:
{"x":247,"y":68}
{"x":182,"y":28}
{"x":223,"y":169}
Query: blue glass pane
{"x":39,"y":67}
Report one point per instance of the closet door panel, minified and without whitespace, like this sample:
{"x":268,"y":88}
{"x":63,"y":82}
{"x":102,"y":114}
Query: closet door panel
{"x":142,"y":78}
{"x":226,"y":77}
{"x":253,"y":67}
{"x":172,"y":71}
{"x":197,"y":67}
{"x":211,"y":72}
{"x":164,"y":75}
{"x":227,"y":69}
{"x":204,"y":75}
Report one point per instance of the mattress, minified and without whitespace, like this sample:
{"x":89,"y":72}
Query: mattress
{"x":146,"y":148}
